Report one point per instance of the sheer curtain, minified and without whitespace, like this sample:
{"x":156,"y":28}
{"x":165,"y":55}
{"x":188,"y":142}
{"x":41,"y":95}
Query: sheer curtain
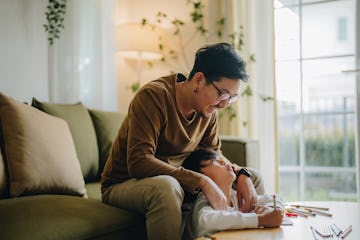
{"x":82,"y":61}
{"x":255,"y":117}
{"x":238,"y":14}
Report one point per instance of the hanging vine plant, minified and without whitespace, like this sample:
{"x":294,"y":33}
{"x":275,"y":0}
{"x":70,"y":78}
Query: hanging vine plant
{"x":55,"y":13}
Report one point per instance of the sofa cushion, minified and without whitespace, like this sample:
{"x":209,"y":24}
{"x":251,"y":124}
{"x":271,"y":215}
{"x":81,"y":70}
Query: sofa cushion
{"x":83,"y":132}
{"x":242,"y":151}
{"x":93,"y":190}
{"x":39,"y":151}
{"x":65,"y":217}
{"x":106,"y":126}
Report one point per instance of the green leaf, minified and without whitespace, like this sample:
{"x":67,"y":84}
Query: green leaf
{"x":266,"y":98}
{"x":252,"y":58}
{"x":221,"y":21}
{"x":161,"y":14}
{"x":201,"y":29}
{"x":247,"y":92}
{"x":177,"y":22}
{"x":150,"y":64}
{"x":196,"y":16}
{"x":230,"y":112}
{"x":197,"y":5}
{"x":135,"y":86}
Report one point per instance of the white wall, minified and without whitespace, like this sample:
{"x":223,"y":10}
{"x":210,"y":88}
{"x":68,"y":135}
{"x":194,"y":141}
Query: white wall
{"x":23,"y":49}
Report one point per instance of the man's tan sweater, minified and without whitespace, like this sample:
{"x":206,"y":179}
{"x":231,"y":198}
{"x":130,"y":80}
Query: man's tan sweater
{"x":155,"y":137}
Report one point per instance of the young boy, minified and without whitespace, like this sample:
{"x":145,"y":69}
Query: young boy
{"x":205,"y":220}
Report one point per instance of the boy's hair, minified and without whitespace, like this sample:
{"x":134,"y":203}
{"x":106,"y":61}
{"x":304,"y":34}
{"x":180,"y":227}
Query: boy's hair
{"x":194,"y":160}
{"x":219,"y":60}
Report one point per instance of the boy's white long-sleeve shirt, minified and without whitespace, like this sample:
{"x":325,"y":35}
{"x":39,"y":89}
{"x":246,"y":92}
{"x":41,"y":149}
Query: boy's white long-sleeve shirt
{"x":206,"y":220}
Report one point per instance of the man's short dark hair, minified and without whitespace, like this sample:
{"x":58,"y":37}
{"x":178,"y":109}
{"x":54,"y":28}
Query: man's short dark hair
{"x":193,"y":161}
{"x":217,"y":61}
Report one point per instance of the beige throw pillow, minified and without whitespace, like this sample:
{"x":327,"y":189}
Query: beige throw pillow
{"x":82,"y":131}
{"x":39,"y":151}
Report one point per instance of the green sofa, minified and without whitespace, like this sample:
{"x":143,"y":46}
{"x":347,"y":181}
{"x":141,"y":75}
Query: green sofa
{"x":52,"y":213}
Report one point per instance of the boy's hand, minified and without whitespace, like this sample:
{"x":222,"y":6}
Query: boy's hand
{"x":213,"y":193}
{"x":246,"y":194}
{"x":270,"y":218}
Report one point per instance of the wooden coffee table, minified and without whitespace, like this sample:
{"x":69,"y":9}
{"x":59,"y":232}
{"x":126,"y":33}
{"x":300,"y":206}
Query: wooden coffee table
{"x":344,"y":214}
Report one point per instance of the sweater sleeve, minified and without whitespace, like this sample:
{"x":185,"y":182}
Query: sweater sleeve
{"x":146,"y":120}
{"x":207,"y":220}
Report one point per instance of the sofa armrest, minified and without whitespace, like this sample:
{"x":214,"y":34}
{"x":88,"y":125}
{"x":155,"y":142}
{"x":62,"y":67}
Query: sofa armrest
{"x":242,"y":151}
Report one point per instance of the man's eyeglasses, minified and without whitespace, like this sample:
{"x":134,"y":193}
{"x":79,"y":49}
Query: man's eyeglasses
{"x":225,"y":97}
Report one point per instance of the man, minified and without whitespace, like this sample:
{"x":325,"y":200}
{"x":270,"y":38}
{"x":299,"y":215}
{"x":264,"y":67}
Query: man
{"x":168,"y":119}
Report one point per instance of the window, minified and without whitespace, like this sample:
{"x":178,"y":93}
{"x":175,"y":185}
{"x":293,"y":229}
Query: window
{"x":316,"y":99}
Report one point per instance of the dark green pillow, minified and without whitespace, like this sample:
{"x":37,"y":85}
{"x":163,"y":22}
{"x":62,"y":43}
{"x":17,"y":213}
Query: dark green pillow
{"x":82,"y":131}
{"x":106,"y":125}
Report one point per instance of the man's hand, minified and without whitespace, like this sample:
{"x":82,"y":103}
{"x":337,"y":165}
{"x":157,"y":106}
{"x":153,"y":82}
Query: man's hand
{"x":246,"y":194}
{"x":260,"y":209}
{"x":213,"y":193}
